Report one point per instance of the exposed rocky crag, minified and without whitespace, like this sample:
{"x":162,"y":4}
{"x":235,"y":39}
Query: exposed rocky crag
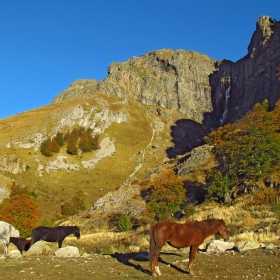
{"x":206,"y":91}
{"x":237,"y":87}
{"x":195,"y":84}
{"x":166,"y":78}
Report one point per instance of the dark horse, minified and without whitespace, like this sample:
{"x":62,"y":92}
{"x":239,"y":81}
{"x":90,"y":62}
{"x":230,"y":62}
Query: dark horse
{"x":21,"y":243}
{"x":182,"y":235}
{"x":56,"y":234}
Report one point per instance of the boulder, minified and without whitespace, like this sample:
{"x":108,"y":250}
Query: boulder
{"x":67,"y":252}
{"x":39,"y":248}
{"x":250,"y":245}
{"x":14,"y":254}
{"x":219,"y":246}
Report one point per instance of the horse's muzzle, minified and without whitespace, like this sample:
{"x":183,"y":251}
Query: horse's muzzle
{"x":226,"y":239}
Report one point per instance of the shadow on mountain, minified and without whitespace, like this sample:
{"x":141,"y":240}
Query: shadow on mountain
{"x":186,"y":134}
{"x":196,"y":192}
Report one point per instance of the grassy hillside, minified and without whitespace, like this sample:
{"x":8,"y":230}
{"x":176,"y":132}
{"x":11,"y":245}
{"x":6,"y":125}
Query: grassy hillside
{"x":140,"y":137}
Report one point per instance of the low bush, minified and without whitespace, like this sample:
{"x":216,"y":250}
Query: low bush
{"x":124,"y":223}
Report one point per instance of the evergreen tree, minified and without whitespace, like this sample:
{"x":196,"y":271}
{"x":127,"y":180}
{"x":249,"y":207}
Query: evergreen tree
{"x":59,"y":139}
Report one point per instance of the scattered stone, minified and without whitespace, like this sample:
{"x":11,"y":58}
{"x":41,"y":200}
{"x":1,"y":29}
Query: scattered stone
{"x":250,"y":245}
{"x":219,"y":246}
{"x":14,"y":254}
{"x":39,"y":248}
{"x":270,"y":246}
{"x":67,"y":252}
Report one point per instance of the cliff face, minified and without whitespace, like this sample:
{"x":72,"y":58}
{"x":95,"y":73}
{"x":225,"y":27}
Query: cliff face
{"x":236,"y":87}
{"x":205,"y":90}
{"x":209,"y":93}
{"x":170,"y":79}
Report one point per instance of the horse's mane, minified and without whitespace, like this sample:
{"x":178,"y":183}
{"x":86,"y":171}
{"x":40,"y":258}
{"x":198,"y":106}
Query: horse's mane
{"x":207,"y":222}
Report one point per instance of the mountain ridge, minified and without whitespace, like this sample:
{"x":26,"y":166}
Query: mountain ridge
{"x":148,"y":111}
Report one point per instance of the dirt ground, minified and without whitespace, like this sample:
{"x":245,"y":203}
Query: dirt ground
{"x":253,"y":264}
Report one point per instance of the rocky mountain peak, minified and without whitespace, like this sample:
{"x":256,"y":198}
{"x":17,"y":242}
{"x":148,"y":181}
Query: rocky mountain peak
{"x":264,"y":30}
{"x":205,"y":90}
{"x":209,"y":93}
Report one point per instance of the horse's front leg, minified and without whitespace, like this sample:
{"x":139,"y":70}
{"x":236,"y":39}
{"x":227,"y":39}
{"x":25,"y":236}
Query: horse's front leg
{"x":193,"y":250}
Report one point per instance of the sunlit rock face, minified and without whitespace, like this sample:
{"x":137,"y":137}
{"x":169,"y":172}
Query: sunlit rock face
{"x":166,"y":78}
{"x":208,"y":92}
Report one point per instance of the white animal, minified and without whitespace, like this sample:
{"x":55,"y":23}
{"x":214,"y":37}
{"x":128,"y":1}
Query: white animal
{"x":5,"y":234}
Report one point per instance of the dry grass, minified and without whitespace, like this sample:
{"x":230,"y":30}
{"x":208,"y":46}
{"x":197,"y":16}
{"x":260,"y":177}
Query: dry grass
{"x":130,"y":138}
{"x":256,"y":223}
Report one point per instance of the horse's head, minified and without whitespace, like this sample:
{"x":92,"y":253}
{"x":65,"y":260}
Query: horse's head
{"x":77,"y":232}
{"x":222,"y":230}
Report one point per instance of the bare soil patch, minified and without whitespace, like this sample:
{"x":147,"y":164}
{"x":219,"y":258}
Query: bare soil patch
{"x":253,"y":264}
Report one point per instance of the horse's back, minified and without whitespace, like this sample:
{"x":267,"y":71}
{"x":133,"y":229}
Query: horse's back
{"x":178,"y":235}
{"x":163,"y":230}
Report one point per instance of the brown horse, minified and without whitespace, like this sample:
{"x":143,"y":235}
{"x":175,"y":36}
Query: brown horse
{"x":182,"y":235}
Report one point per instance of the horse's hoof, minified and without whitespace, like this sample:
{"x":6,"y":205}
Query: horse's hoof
{"x":156,"y":274}
{"x":191,"y":272}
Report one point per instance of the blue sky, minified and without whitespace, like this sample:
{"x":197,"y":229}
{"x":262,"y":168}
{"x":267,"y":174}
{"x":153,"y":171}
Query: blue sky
{"x":48,"y":44}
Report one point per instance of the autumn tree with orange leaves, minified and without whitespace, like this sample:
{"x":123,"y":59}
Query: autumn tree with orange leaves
{"x":20,"y":210}
{"x":167,"y":195}
{"x":248,"y":150}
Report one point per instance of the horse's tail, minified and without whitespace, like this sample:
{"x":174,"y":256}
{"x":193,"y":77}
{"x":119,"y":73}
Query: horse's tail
{"x":152,"y":245}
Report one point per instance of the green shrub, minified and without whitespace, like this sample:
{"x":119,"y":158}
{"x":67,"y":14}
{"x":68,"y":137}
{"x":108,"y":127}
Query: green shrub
{"x":59,"y":139}
{"x":247,"y":150}
{"x":72,"y":148}
{"x":189,"y":210}
{"x":124,"y":223}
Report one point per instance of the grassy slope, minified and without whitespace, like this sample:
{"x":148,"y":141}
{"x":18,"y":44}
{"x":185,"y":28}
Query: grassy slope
{"x":131,"y":140}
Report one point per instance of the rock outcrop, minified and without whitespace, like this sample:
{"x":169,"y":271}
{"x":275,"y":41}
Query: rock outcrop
{"x":237,"y":87}
{"x":166,"y":78}
{"x":205,"y":90}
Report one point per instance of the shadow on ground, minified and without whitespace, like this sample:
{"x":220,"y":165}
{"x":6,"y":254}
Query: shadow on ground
{"x":127,"y":258}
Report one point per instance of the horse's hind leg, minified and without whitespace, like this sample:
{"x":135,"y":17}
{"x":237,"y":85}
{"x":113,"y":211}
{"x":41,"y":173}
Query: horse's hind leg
{"x":6,"y":244}
{"x":155,"y":267}
{"x":193,"y":250}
